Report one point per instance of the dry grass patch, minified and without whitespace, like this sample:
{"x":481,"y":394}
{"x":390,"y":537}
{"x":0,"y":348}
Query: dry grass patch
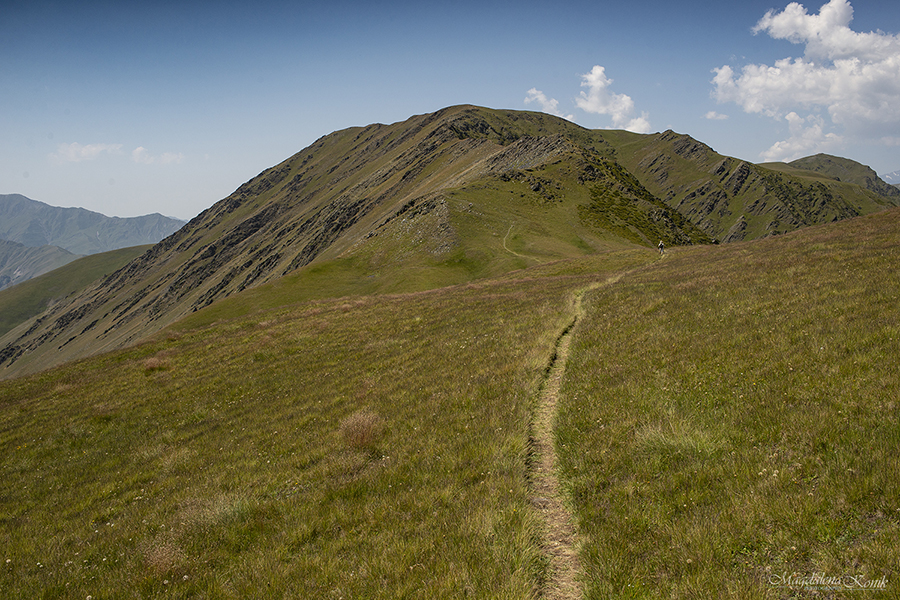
{"x":162,"y":556}
{"x":363,"y":430}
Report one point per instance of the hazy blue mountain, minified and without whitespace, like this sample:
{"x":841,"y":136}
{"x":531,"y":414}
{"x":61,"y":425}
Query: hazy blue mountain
{"x":77,"y":230}
{"x":892,"y":178}
{"x":19,"y":262}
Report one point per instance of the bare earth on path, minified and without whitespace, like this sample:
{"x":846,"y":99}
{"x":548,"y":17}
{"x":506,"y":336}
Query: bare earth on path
{"x":560,"y":536}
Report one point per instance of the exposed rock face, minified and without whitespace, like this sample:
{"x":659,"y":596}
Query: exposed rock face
{"x":730,"y":199}
{"x":737,"y":231}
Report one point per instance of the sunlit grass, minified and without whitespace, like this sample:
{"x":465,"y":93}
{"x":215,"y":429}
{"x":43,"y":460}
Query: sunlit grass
{"x":730,"y":415}
{"x":368,"y":447}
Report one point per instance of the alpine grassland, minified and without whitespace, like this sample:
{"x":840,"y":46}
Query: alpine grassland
{"x":726,"y":426}
{"x":359,"y":447}
{"x":728,"y":423}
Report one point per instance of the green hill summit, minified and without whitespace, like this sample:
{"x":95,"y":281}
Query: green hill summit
{"x":441,"y":198}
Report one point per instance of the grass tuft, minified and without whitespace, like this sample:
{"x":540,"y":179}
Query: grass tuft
{"x":363,"y":430}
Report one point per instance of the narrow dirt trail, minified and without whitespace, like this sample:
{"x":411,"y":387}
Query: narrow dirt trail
{"x":505,"y":247}
{"x":513,"y":252}
{"x":560,"y":535}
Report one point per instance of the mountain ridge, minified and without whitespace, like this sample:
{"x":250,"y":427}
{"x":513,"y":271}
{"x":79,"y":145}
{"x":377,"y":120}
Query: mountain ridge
{"x":78,"y":230}
{"x":425,"y":202}
{"x":844,"y":169}
{"x":19,"y":262}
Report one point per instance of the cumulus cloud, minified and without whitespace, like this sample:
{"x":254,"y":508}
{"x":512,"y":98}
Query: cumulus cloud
{"x":599,"y":100}
{"x":852,"y":77}
{"x":808,"y":136}
{"x":714,"y":116}
{"x":142,"y":156}
{"x":548,"y":105}
{"x":76,"y":152}
{"x":827,"y":35}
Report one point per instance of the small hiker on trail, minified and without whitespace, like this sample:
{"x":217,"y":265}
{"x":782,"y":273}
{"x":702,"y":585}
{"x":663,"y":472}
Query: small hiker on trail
{"x":662,"y":247}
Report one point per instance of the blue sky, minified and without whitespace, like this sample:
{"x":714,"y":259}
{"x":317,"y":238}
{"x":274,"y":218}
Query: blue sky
{"x":130,"y":108}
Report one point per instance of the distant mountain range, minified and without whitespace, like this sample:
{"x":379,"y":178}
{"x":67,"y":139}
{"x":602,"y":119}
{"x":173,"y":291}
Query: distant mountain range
{"x":39,"y":238}
{"x":440,"y":199}
{"x":892,"y":178}
{"x":19,"y":262}
{"x":79,"y":231}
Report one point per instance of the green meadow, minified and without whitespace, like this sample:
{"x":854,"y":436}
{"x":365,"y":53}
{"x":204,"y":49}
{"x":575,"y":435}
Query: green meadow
{"x":730,"y":416}
{"x":727,"y":415}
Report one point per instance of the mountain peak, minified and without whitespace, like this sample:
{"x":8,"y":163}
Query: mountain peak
{"x":845,"y":169}
{"x":438,"y":199}
{"x":892,"y":178}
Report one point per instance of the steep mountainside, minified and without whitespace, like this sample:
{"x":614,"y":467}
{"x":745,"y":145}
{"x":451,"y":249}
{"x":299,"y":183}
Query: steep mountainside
{"x":79,"y":231}
{"x":733,"y":200}
{"x":22,"y":301}
{"x":439,"y":199}
{"x":843,"y":169}
{"x":19,"y":262}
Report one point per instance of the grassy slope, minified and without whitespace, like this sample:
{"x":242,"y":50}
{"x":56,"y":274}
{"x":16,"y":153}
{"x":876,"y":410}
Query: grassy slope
{"x":730,"y":415}
{"x":27,"y":299}
{"x":212,"y":462}
{"x":496,"y":227}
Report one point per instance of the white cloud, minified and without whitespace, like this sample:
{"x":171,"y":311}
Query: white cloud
{"x":807,"y":137}
{"x":827,"y":35}
{"x":599,"y":100}
{"x":548,"y":105}
{"x":76,"y":152}
{"x":142,"y":156}
{"x":852,"y":77}
{"x":714,"y":116}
